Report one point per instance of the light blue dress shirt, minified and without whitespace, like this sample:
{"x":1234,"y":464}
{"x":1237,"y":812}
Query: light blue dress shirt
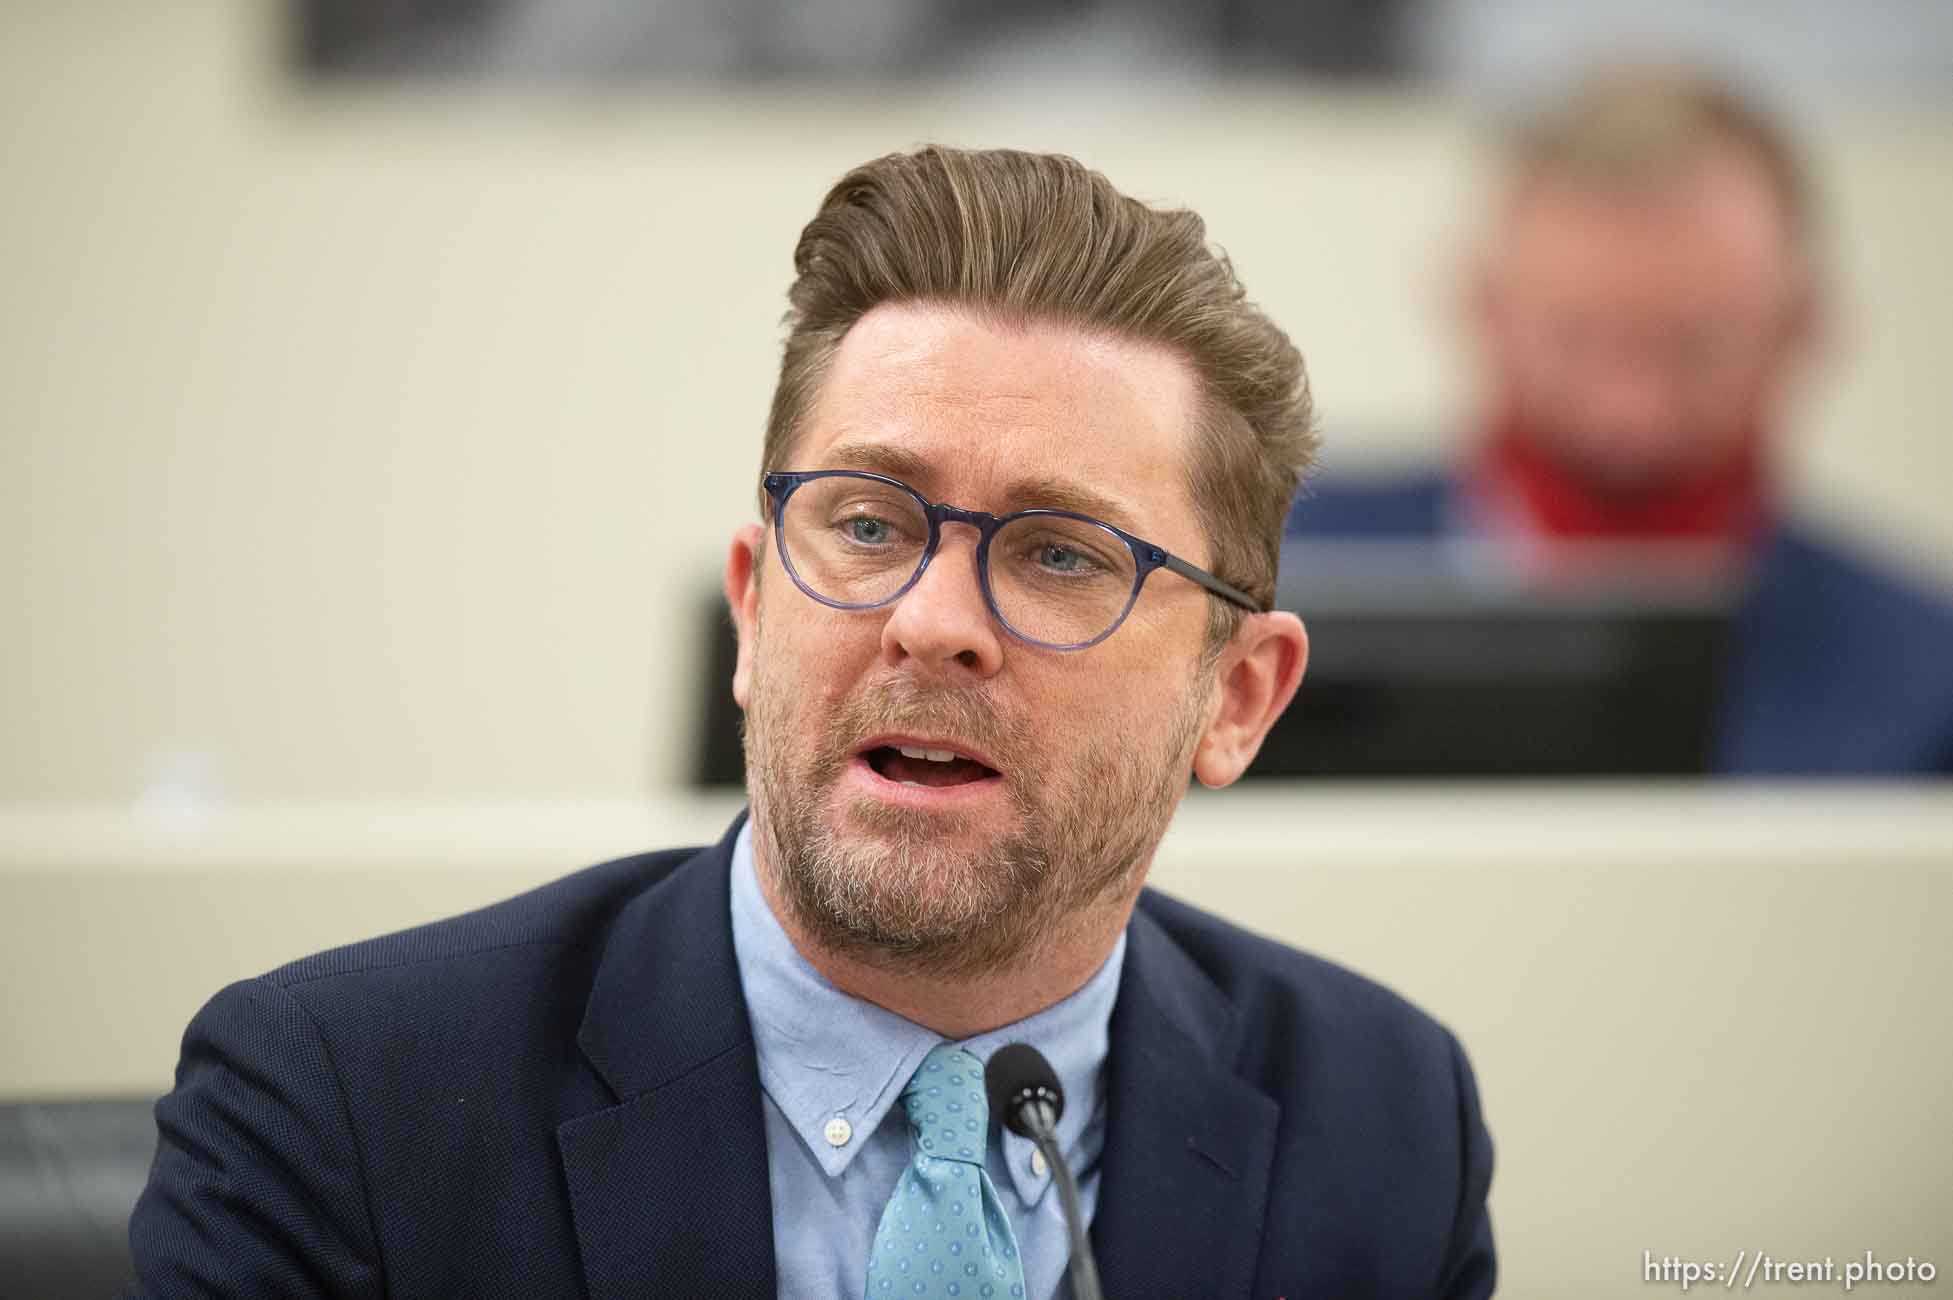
{"x":832,"y":1067}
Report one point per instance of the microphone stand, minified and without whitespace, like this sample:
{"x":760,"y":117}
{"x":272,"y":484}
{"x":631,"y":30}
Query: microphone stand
{"x":1082,"y":1271}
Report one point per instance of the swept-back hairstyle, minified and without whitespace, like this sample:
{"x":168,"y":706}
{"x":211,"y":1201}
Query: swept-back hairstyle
{"x":1025,"y":236}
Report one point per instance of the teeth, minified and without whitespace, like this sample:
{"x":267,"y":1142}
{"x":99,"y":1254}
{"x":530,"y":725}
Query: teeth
{"x":933,"y":755}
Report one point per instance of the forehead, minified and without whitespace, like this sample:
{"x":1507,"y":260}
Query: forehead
{"x":993,"y":414}
{"x":1712,"y":235}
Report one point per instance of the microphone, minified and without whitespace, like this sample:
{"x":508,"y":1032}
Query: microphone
{"x":1025,"y":1096}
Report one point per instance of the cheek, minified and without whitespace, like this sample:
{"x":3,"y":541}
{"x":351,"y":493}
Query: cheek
{"x":1166,"y":629}
{"x":817,"y":654}
{"x":1122,"y":703}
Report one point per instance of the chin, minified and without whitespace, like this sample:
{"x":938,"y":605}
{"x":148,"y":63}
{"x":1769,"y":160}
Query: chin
{"x":858,"y":820}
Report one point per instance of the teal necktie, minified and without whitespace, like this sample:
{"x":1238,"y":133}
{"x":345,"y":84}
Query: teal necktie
{"x":944,"y":1233}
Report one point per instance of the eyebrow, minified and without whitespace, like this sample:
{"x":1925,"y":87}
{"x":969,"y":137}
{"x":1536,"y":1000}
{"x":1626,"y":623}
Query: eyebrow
{"x":1038,"y":492}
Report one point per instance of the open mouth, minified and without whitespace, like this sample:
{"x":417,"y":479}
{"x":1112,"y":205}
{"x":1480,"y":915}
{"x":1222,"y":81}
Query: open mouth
{"x":921,"y":765}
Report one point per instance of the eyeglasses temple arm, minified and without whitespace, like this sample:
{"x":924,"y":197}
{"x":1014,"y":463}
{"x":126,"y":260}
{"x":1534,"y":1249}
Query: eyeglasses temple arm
{"x":1194,"y":573}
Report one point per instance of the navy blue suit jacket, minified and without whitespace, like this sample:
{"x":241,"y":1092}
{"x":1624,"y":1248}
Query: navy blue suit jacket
{"x":1836,"y":667}
{"x":558,"y":1095}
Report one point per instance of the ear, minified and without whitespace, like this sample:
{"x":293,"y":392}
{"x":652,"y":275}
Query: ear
{"x":742,"y":599}
{"x":1256,"y":678}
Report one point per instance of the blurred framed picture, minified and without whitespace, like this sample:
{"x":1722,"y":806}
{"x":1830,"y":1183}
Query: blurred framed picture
{"x":810,"y":39}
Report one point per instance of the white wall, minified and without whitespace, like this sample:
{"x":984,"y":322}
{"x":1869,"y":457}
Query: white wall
{"x":372,"y":445}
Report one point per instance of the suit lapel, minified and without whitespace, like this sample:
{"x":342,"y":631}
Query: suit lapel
{"x":668,"y":1187}
{"x":1183,"y":1186}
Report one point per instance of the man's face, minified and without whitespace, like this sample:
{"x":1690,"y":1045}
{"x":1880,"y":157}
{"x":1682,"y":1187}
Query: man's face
{"x":1639,"y":335}
{"x":1082,"y":756}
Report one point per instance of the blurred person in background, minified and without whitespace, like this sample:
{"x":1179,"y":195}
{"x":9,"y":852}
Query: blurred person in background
{"x":1640,"y":315}
{"x":757,"y":1068}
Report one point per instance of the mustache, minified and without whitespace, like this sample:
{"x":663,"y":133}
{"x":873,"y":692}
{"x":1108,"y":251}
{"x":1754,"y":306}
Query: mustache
{"x":963,"y":713}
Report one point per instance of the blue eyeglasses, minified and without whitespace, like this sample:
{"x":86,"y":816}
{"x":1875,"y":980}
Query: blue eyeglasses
{"x":1064,"y":581}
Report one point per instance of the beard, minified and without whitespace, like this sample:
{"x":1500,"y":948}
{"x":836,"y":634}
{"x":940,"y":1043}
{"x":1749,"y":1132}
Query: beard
{"x":919,"y":891}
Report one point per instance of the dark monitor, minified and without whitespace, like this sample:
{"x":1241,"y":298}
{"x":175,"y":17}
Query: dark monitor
{"x":1441,"y":661}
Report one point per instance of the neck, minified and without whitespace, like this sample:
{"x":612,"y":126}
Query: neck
{"x":960,"y":1007}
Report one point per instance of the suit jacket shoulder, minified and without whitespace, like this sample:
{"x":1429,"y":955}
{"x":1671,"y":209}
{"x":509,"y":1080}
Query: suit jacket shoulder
{"x":572,"y":911}
{"x":1356,"y":1111}
{"x":1413,"y":505}
{"x":1840,"y":667}
{"x":383,"y":1118}
{"x":1272,"y":984}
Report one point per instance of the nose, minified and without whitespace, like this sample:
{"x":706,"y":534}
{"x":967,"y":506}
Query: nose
{"x":942,"y":624}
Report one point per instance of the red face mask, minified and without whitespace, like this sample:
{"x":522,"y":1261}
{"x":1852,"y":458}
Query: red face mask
{"x":1728,"y":504}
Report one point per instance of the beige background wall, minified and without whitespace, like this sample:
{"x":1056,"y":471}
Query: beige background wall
{"x":361,"y":457}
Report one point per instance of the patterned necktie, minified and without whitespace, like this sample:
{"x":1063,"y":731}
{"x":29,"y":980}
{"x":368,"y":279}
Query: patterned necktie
{"x":944,"y":1233}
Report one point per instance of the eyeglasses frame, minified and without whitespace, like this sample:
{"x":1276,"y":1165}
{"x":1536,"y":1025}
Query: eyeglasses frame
{"x":780,"y":485}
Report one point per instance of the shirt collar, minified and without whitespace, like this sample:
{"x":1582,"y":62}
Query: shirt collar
{"x":824,"y":1053}
{"x":1073,"y":1036}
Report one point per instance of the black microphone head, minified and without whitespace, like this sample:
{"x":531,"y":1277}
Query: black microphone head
{"x":1015,"y":1076}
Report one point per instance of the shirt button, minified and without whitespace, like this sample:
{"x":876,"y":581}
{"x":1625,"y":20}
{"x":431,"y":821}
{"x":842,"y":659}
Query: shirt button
{"x":1038,"y":1167}
{"x":837,"y":1132}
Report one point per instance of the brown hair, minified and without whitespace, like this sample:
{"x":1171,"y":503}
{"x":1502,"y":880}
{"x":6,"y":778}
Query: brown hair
{"x":1040,"y":236}
{"x":1629,"y":124}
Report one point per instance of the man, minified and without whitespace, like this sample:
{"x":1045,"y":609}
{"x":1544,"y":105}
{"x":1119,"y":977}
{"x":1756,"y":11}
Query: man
{"x":1023,"y":488}
{"x":1640,"y":316}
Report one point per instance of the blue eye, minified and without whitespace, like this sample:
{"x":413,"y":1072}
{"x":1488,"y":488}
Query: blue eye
{"x":868,"y":531}
{"x":1061,"y":559}
{"x":1053,"y":551}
